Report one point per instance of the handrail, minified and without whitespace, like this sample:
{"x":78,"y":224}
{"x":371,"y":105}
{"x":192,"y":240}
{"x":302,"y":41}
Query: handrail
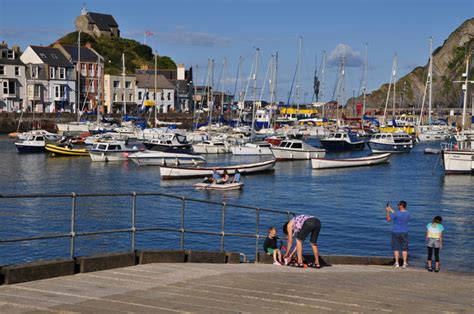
{"x":134,"y":229}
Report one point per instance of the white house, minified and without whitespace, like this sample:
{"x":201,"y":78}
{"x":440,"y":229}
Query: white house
{"x":117,"y":95}
{"x":12,"y":79}
{"x":51,"y":82}
{"x":161,"y":93}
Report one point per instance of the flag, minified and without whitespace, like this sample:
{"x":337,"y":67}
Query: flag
{"x":148,"y":33}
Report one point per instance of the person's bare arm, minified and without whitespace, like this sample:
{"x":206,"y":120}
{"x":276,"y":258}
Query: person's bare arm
{"x":289,"y":229}
{"x":388,"y":210}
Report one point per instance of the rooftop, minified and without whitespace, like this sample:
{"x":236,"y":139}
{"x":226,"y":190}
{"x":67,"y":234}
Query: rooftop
{"x":51,"y":56}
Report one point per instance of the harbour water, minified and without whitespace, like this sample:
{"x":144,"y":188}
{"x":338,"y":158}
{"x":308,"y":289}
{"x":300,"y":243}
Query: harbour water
{"x":349,"y":202}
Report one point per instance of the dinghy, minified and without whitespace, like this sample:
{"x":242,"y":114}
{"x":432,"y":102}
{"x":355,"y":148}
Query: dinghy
{"x":170,"y":172}
{"x":321,"y":163}
{"x":58,"y":150}
{"x":219,"y":187}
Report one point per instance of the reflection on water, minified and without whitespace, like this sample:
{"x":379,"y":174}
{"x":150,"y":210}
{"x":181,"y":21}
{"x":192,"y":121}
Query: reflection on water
{"x":349,"y":202}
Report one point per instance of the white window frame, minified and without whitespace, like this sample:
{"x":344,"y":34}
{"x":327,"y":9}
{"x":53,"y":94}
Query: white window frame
{"x":62,"y":73}
{"x":17,"y":71}
{"x":34,"y":71}
{"x":2,"y":70}
{"x":5,"y":88}
{"x":52,"y":73}
{"x":59,"y":92}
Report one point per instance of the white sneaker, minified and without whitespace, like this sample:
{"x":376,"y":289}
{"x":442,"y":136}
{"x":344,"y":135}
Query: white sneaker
{"x":276,"y":263}
{"x":405,"y":265}
{"x":396,"y":265}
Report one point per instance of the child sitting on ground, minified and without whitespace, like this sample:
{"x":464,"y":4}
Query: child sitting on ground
{"x":270,"y":246}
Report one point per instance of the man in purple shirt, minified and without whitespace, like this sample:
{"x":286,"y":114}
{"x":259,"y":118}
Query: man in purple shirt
{"x":399,"y":232}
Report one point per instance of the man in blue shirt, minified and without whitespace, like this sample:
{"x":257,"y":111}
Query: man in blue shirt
{"x":399,"y":232}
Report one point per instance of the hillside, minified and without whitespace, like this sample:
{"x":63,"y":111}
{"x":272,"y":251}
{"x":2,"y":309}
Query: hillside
{"x":111,"y":48}
{"x":448,"y":65}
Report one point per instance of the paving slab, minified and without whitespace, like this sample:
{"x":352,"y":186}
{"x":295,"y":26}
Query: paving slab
{"x":251,"y":288}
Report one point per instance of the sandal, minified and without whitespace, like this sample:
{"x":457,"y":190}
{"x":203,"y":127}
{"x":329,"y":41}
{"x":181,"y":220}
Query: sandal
{"x":430,"y":269}
{"x":298,"y":265}
{"x":317,"y":266}
{"x":436,"y":270}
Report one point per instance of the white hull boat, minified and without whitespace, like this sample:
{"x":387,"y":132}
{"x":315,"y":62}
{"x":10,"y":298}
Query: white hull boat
{"x":158,"y":158}
{"x":321,"y":163}
{"x":219,"y":187}
{"x":297,"y":150}
{"x":252,"y":149}
{"x":72,"y":127}
{"x":111,"y":151}
{"x":209,"y":147}
{"x":167,"y":172}
{"x":458,"y":158}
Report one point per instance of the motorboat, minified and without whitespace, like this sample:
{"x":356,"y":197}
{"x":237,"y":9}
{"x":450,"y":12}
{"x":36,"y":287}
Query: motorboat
{"x":169,"y":143}
{"x":211,"y":147}
{"x":458,"y":158}
{"x":158,"y":158}
{"x":296,"y":150}
{"x":250,"y":149}
{"x":342,"y":141}
{"x":219,"y":187}
{"x":105,"y":137}
{"x":66,"y":150}
{"x":390,"y":143}
{"x":111,"y":151}
{"x":321,"y":163}
{"x":32,"y":144}
{"x":24,"y":135}
{"x":177,"y":172}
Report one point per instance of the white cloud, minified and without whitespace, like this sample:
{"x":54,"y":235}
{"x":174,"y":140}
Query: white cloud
{"x":181,"y":36}
{"x":353,"y":57}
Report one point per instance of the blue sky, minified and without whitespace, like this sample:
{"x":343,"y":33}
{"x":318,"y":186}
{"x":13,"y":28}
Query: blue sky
{"x":192,"y":31}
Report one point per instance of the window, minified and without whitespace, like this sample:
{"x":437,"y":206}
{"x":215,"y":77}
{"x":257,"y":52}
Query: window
{"x":123,"y":97}
{"x":11,"y":54}
{"x":17,"y":71}
{"x":59,"y":91}
{"x":140,"y":95}
{"x":147,"y":95}
{"x":12,"y":88}
{"x":52,"y":72}
{"x":5,"y":87}
{"x":130,"y":98}
{"x":34,"y":71}
{"x":54,"y":56}
{"x":116,"y":84}
{"x":169,"y":96}
{"x":83,"y":69}
{"x":297,"y":145}
{"x":62,"y":73}
{"x":2,"y":70}
{"x":128,"y":84}
{"x":115,"y":97}
{"x":42,"y":55}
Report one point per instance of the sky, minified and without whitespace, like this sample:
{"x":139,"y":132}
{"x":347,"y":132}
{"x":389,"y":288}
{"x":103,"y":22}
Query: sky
{"x":193,"y":31}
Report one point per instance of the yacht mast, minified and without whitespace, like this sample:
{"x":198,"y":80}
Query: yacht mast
{"x":209,"y":93}
{"x":394,"y":84}
{"x":78,"y":78}
{"x":155,"y":98}
{"x":298,"y":86}
{"x":364,"y":87}
{"x":464,"y":88}
{"x":123,"y":85}
{"x":430,"y":81}
{"x":323,"y":82}
{"x":254,"y":93}
{"x":392,"y":73}
{"x":223,"y":85}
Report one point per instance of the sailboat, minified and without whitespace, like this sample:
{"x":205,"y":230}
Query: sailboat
{"x":432,"y":131}
{"x":458,"y":158}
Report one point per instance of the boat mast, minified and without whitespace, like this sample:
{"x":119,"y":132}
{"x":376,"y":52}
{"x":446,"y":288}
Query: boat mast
{"x":98,"y":89}
{"x":123,"y":85}
{"x":323,"y":70}
{"x":223,"y":86}
{"x":342,"y":90}
{"x":364,"y":87}
{"x":388,"y":91}
{"x":211,"y":62}
{"x":394,"y":84}
{"x":78,"y":77}
{"x":257,"y":54}
{"x":464,"y":88}
{"x":430,"y":80}
{"x":298,"y":86}
{"x":275,"y":90}
{"x":155,"y":98}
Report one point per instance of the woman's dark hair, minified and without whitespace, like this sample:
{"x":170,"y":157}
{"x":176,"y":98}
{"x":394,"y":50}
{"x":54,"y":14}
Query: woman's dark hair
{"x":285,"y":230}
{"x":437,"y":220}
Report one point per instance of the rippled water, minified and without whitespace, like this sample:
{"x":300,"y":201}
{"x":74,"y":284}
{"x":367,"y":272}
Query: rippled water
{"x":349,"y":202}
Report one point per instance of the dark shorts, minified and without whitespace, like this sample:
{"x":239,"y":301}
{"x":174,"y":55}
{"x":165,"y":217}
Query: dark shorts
{"x":311,"y":225}
{"x":400,"y":241}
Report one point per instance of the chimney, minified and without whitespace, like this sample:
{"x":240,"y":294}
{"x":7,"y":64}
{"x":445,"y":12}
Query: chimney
{"x":181,"y":72}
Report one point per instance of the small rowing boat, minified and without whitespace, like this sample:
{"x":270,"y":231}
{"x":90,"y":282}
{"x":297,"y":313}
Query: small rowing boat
{"x":66,"y":151}
{"x":321,"y":163}
{"x":176,"y":172}
{"x":219,"y":187}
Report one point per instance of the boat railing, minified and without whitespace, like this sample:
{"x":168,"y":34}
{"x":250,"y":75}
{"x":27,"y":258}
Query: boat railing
{"x":182,"y":205}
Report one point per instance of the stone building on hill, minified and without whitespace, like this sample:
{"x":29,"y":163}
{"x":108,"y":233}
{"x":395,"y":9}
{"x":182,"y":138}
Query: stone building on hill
{"x":97,"y":24}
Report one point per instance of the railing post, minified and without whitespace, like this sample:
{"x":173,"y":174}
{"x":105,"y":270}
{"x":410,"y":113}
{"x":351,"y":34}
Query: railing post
{"x":257,"y":233}
{"x":183,"y":208}
{"x":73,"y":224}
{"x":223,"y":226}
{"x":134,"y":214}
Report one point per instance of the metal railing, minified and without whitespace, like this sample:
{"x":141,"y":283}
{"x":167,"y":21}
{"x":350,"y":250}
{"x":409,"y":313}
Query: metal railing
{"x":134,"y":230}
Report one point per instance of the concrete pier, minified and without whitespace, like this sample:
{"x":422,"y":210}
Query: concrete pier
{"x":216,"y":288}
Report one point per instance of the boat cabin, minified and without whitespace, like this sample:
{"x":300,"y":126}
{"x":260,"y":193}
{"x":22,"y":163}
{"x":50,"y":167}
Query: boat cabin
{"x":291,"y":144}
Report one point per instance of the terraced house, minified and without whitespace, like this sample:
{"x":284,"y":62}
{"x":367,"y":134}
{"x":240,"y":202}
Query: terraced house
{"x":50,"y":80}
{"x":12,"y":79}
